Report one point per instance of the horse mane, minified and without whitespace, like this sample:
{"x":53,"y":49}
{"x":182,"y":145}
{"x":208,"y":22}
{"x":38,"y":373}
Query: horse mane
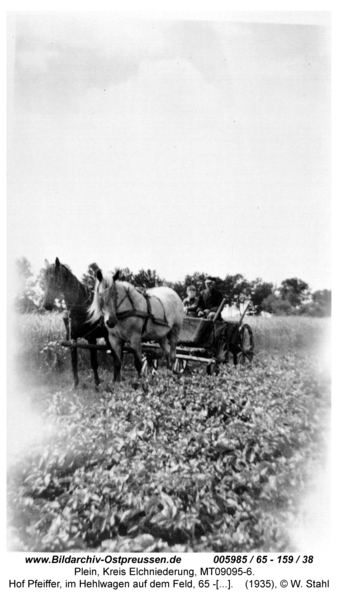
{"x":94,"y":310}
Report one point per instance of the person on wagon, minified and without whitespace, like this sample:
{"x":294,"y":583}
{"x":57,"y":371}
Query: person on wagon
{"x":190,"y":303}
{"x":209,"y":300}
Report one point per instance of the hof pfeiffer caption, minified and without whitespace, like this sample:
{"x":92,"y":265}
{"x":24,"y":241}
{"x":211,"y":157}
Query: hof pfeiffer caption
{"x":206,"y":572}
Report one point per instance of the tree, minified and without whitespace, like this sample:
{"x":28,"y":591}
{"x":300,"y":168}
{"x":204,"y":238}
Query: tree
{"x":234,"y":286}
{"x":146,"y":279}
{"x":178,"y":287}
{"x":323,"y":298}
{"x":320,"y":305}
{"x":276,"y":306}
{"x":125,"y":274}
{"x":294,"y":290}
{"x":28,"y":297}
{"x":89,"y":278}
{"x":260,"y":290}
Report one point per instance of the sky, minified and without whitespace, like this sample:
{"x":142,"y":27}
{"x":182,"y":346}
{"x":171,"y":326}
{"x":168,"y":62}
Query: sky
{"x":179,"y":145}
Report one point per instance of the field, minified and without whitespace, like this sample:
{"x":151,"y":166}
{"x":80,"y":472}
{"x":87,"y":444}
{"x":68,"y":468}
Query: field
{"x":174,"y":463}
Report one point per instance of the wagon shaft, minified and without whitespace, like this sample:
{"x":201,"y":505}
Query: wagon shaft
{"x":83,"y":346}
{"x":199,"y":359}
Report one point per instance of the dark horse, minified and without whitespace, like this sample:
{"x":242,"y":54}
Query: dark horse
{"x":58,"y":281}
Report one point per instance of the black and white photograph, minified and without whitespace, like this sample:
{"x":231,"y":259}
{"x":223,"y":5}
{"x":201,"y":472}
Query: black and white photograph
{"x":169,"y":283}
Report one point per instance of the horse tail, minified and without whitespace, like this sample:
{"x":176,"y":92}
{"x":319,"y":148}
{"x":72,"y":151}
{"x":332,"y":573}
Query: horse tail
{"x":179,"y":311}
{"x":179,"y":316}
{"x":94,"y":311}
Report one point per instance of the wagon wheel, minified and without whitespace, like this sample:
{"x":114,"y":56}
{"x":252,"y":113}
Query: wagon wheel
{"x":222,"y":350}
{"x":180,"y":365}
{"x":245,"y":345}
{"x":149,"y":366}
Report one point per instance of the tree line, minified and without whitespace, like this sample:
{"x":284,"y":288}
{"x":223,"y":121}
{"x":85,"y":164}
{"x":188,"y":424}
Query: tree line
{"x":292,"y":297}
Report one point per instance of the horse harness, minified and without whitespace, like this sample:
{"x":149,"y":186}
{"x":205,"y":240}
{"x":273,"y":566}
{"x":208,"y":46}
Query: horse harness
{"x":134,"y":312}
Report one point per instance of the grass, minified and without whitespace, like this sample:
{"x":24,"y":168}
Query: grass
{"x":37,"y":329}
{"x":278,"y":333}
{"x":39,"y":336}
{"x":284,"y":334}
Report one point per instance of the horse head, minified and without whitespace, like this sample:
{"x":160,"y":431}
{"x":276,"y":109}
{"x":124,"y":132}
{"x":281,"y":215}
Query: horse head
{"x":105,"y":296}
{"x":108,"y":298}
{"x":52,"y":283}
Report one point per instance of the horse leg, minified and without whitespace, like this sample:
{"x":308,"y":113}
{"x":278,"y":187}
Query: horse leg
{"x":166,"y":349}
{"x":117,"y":352}
{"x":73,"y":353}
{"x":94,"y":365}
{"x":172,"y":338}
{"x":136,"y":345}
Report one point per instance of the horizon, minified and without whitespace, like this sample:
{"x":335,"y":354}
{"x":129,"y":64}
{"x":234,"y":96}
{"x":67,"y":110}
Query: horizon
{"x":79,"y":274}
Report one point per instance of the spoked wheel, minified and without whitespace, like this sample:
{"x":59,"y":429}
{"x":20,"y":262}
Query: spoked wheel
{"x":245,"y":347}
{"x":149,"y":366}
{"x":180,"y":366}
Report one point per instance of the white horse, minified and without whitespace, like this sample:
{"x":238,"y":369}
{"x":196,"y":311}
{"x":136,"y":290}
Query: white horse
{"x":132,"y":317}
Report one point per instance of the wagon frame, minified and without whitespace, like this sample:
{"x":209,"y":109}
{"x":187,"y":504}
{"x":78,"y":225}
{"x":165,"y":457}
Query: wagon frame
{"x":208,"y":342}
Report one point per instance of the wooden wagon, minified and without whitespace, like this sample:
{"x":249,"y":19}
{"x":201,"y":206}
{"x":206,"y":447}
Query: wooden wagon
{"x":209,"y":342}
